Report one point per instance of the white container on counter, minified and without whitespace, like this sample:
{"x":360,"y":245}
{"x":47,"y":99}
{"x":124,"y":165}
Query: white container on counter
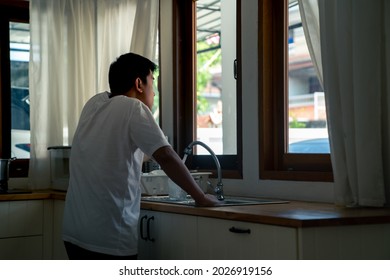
{"x":59,"y":167}
{"x":175,"y":192}
{"x":157,"y":182}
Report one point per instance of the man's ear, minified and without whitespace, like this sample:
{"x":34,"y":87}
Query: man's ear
{"x":138,"y":84}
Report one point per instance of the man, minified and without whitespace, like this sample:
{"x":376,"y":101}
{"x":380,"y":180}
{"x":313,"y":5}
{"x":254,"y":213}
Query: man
{"x":114,"y":132}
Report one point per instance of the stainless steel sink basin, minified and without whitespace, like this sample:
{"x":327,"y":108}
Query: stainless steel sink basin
{"x":229,"y":201}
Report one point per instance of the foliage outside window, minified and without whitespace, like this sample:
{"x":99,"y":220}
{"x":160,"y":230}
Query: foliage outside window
{"x":207,"y":93}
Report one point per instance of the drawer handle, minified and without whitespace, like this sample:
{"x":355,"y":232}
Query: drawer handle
{"x":148,"y":228}
{"x":239,"y":230}
{"x":142,"y":228}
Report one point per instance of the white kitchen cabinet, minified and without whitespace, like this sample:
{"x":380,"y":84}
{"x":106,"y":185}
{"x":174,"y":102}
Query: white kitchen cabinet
{"x":176,"y":236}
{"x":167,"y":236}
{"x":21,"y":229}
{"x":21,"y":248}
{"x":227,"y":239}
{"x":59,"y":252}
{"x":147,"y":231}
{"x":348,"y":242}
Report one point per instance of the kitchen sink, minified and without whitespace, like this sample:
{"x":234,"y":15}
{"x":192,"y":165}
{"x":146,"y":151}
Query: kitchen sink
{"x":229,"y":201}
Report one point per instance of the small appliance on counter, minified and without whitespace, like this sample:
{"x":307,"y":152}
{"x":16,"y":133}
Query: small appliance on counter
{"x":4,"y":174}
{"x":59,"y":167}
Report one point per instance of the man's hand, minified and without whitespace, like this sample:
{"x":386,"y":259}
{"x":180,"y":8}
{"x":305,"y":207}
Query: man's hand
{"x":208,"y":200}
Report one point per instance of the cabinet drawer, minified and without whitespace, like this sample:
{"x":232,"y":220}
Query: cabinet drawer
{"x":227,"y":239}
{"x":21,"y":248}
{"x":21,"y":218}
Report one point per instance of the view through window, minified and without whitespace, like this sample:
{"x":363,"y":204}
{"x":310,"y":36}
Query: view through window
{"x":19,"y":34}
{"x":307,"y":112}
{"x":156,"y":103}
{"x":216,"y":123}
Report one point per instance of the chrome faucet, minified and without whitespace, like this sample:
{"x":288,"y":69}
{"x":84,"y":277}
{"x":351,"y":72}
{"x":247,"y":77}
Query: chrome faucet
{"x":219,"y":188}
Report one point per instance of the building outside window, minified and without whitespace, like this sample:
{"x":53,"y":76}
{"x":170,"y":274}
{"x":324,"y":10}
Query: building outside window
{"x":215,"y":81}
{"x":307,"y":123}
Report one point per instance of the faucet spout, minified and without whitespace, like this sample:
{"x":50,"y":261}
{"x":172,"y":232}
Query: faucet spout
{"x":219,"y":188}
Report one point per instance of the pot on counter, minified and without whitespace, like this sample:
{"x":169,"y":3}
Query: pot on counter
{"x":4,"y":173}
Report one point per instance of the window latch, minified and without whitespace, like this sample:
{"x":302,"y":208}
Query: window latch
{"x":235,"y":68}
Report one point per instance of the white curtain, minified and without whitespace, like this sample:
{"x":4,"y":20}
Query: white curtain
{"x":125,"y":25}
{"x":146,"y":29}
{"x":311,"y":26}
{"x":355,"y":55}
{"x":72,"y":45}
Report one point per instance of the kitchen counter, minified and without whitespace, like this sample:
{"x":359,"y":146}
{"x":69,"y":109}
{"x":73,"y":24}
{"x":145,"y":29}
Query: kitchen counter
{"x":27,"y":196}
{"x":292,"y":214}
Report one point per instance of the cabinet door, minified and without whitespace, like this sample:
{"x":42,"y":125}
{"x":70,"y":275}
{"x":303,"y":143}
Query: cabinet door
{"x":146,"y":234}
{"x":21,"y":248}
{"x":21,"y":218}
{"x":167,"y":236}
{"x":227,"y":239}
{"x":59,"y":252}
{"x":348,"y":242}
{"x":177,"y":237}
{"x":21,"y":229}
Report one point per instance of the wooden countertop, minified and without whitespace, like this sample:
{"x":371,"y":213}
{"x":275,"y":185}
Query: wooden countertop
{"x":41,"y":194}
{"x":292,"y":214}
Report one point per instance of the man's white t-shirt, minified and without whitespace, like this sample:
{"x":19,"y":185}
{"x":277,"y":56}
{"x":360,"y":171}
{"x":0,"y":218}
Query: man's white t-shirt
{"x":103,"y":200}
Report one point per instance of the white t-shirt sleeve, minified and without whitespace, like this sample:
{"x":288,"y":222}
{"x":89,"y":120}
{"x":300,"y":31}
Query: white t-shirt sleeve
{"x":145,"y":132}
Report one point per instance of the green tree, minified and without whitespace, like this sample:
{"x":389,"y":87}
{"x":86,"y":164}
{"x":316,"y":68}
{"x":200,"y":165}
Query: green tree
{"x":205,"y":61}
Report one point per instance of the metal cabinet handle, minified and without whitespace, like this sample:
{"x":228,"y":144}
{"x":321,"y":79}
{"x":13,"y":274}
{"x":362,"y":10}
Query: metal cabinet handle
{"x":239,"y":230}
{"x":141,"y":228}
{"x":148,"y":228}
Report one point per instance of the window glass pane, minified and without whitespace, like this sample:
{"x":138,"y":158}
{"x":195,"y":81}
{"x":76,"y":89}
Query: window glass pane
{"x":215,"y":83}
{"x":307,"y":113}
{"x":20,"y":102}
{"x":156,"y":103}
{"x":156,"y":74}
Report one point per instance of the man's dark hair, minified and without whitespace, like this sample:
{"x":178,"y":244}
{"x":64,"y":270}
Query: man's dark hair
{"x":126,"y":69}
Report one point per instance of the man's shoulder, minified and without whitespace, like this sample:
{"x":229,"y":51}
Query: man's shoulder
{"x":98,"y":97}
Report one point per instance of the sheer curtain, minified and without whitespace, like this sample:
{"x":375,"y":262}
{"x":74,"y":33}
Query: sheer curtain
{"x":72,"y":45}
{"x":355,"y":55}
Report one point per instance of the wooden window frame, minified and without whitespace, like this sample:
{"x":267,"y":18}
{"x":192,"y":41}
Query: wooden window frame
{"x":275,"y":163}
{"x":184,"y":71}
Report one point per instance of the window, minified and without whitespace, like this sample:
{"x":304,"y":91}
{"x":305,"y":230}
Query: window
{"x":307,"y":131}
{"x":14,"y":94}
{"x":20,"y":103}
{"x":156,"y":103}
{"x":289,"y":94}
{"x":207,"y":75}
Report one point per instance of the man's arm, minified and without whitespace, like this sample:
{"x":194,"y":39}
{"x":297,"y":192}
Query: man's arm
{"x":176,"y":170}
